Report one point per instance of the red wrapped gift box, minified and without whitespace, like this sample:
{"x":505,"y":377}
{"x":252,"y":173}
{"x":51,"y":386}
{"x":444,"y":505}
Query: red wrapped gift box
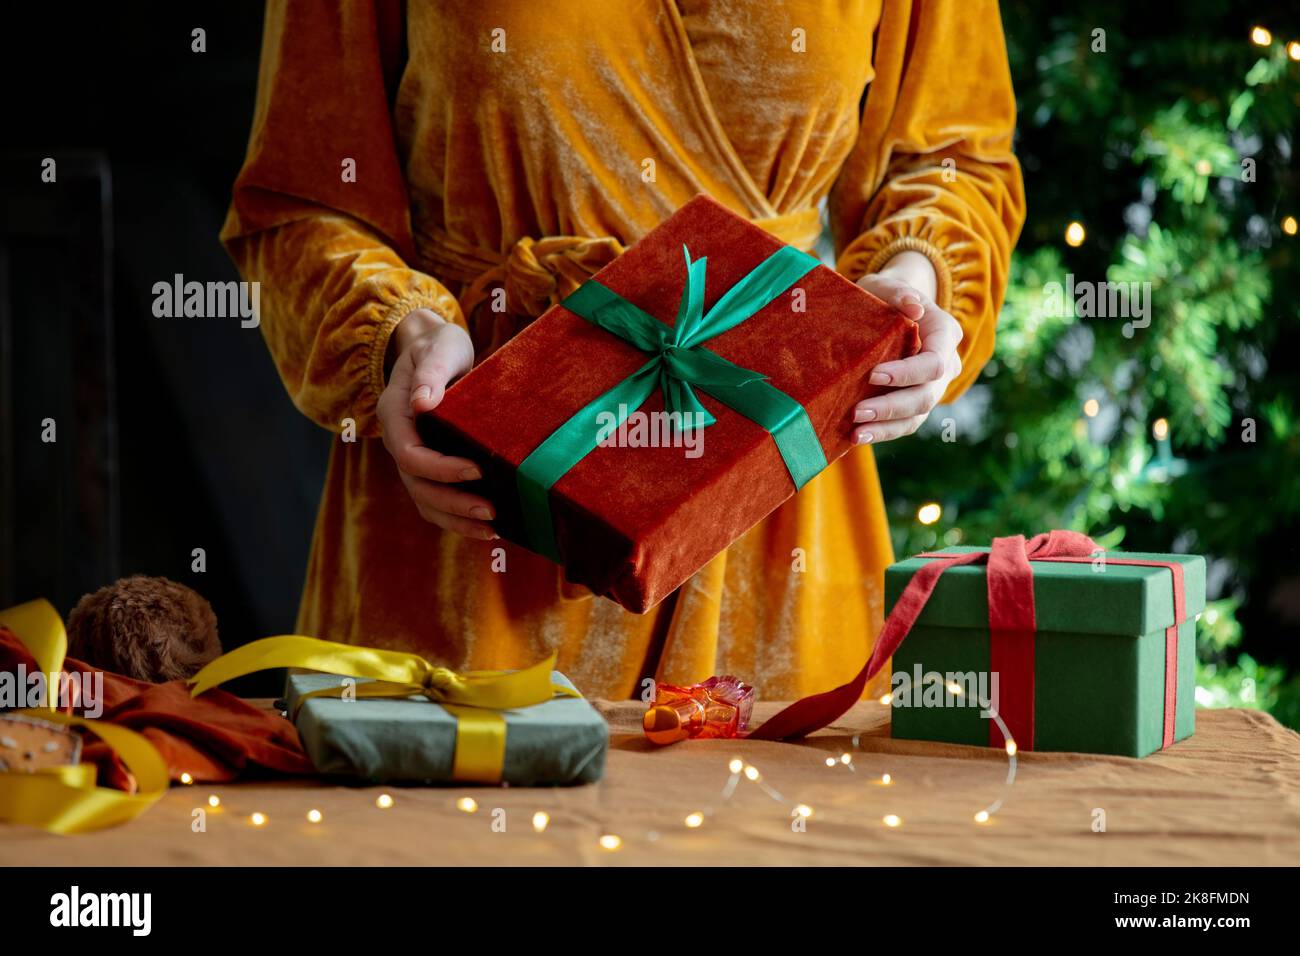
{"x":633,"y":523}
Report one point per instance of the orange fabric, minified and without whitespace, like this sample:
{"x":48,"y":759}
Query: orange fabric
{"x":525,"y":159}
{"x":214,"y":737}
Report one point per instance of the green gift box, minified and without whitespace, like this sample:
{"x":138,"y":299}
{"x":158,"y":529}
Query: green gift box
{"x":1099,"y":654}
{"x":413,"y":740}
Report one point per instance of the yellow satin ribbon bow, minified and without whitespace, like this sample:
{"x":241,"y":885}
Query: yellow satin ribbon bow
{"x":474,"y":698}
{"x":65,"y":799}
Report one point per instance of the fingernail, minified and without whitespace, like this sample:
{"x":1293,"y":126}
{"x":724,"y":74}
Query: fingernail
{"x":865,"y":415}
{"x":480,"y":512}
{"x":470,"y":474}
{"x":880,"y":378}
{"x":866,"y":438}
{"x":910,"y":299}
{"x":421,"y":393}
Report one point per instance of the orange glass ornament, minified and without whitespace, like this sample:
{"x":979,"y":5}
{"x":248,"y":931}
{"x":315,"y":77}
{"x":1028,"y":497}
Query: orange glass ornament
{"x":719,"y":707}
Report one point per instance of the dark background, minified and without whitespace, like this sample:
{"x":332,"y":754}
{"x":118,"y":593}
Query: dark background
{"x":173,"y":434}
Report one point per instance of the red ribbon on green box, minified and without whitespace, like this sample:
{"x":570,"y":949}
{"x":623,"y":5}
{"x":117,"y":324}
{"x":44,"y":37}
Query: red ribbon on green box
{"x":1012,"y":626}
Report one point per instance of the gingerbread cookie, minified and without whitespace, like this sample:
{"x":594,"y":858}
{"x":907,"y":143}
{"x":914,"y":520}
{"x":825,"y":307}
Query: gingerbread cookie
{"x":28,"y":744}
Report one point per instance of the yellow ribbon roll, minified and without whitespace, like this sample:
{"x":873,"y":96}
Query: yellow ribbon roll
{"x":474,"y":698}
{"x":65,"y":799}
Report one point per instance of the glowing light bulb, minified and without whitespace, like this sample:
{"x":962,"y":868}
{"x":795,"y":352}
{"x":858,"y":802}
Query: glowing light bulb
{"x":1293,"y":49}
{"x":830,"y":761}
{"x":1289,"y":225}
{"x":1160,"y":429}
{"x":954,"y":688}
{"x":1091,"y":407}
{"x":846,"y":758}
{"x":384,"y":801}
{"x":982,"y":817}
{"x":1075,"y":234}
{"x":467,"y":805}
{"x":804,"y":810}
{"x":893,"y":820}
{"x":611,"y":841}
{"x":186,"y":779}
{"x":214,"y":801}
{"x":1011,"y":748}
{"x":1261,"y":36}
{"x":751,"y":772}
{"x":258,"y":819}
{"x":886,"y":779}
{"x":885,"y":699}
{"x":929,"y":513}
{"x":314,"y":816}
{"x":695,"y":819}
{"x":1204,"y":167}
{"x":540,"y":820}
{"x":736,"y":765}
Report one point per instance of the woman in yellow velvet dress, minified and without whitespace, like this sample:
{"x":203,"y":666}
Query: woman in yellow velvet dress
{"x":408,"y":159}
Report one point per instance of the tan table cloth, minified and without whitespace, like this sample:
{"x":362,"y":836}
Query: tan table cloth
{"x":1230,"y":795}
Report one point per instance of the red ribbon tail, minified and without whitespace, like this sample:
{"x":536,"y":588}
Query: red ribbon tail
{"x":813,"y":713}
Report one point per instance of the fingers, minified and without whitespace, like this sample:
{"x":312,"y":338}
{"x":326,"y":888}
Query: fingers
{"x":436,"y":361}
{"x":940,"y":336}
{"x":919,"y":369}
{"x":887,"y":431}
{"x":917,"y":382}
{"x":450,"y":508}
{"x":904,"y":403}
{"x":895,"y":292}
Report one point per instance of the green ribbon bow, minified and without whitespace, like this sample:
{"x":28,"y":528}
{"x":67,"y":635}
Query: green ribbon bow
{"x":679,"y":364}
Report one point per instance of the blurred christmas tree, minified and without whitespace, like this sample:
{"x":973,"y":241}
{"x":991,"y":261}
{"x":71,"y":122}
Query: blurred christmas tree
{"x":1157,"y":146}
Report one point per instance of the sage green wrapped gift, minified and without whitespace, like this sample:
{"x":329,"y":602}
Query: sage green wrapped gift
{"x":1098,"y":654}
{"x":413,"y":740}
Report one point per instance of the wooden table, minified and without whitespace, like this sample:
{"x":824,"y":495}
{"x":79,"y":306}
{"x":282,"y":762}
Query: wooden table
{"x":1229,"y":795}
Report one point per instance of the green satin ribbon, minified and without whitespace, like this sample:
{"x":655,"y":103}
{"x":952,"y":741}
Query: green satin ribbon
{"x":679,"y":364}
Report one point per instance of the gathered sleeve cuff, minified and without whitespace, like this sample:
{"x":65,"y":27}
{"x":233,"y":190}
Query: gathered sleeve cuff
{"x":932,"y":171}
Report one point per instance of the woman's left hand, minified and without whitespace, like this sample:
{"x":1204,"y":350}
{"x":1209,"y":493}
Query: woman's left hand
{"x":917,"y":383}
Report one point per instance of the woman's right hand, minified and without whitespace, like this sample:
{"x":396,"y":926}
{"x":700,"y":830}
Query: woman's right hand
{"x":427,"y":355}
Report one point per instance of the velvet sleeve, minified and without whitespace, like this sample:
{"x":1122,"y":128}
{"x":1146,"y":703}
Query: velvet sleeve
{"x":932,"y":170}
{"x":320,"y":216}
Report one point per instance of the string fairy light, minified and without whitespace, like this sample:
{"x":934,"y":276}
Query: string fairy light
{"x":214,"y":801}
{"x":186,"y":779}
{"x":1075,"y":234}
{"x":314,"y":816}
{"x":384,"y":801}
{"x":984,"y":815}
{"x":739,"y":769}
{"x":1261,"y":36}
{"x":258,"y":819}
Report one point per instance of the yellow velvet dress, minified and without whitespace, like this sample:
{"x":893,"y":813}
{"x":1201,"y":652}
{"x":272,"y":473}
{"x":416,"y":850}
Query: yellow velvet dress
{"x":424,"y":154}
